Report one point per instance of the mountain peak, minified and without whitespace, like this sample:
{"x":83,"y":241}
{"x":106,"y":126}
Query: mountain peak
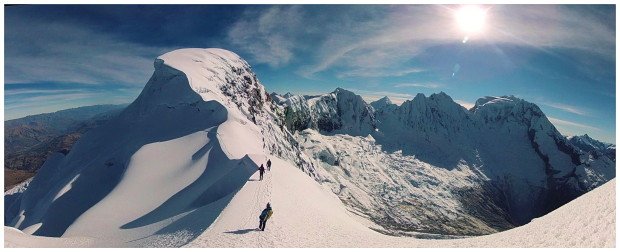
{"x":587,"y":143}
{"x":381,"y":103}
{"x":386,"y":100}
{"x":440,"y":96}
{"x":212,"y":73}
{"x":419,"y":96}
{"x":341,"y":90}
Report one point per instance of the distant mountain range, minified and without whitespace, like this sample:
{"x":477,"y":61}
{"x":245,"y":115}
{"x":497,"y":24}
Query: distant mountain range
{"x":29,"y":141}
{"x":593,"y":146}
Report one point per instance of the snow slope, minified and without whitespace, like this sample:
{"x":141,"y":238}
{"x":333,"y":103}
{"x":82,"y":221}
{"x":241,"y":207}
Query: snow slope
{"x":172,"y":154}
{"x":308,"y":215}
{"x":586,"y":222}
{"x":15,"y":238}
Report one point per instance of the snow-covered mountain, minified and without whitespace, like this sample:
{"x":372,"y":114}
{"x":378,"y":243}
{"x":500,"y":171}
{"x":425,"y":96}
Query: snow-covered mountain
{"x":593,"y":146}
{"x":193,"y":137}
{"x":381,"y":103}
{"x":340,"y":111}
{"x":587,"y":143}
{"x":183,"y":156}
{"x":511,"y":163}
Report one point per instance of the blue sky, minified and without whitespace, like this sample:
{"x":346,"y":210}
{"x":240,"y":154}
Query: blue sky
{"x":558,"y":56}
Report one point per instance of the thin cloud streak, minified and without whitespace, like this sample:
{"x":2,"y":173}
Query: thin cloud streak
{"x":565,"y":107}
{"x":269,"y":37}
{"x":39,"y":91}
{"x":420,"y":85}
{"x":379,"y":72}
{"x":572,"y":124}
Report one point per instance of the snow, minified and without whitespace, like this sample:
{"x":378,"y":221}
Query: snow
{"x":340,"y":111}
{"x":586,"y":222}
{"x":587,"y":143}
{"x":14,"y":238}
{"x":589,"y":221}
{"x":381,"y":103}
{"x":178,"y":167}
{"x":172,"y":154}
{"x":401,"y":191}
{"x":308,"y":215}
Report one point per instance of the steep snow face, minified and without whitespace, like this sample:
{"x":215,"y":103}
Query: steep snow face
{"x":437,"y":115}
{"x":435,"y":129}
{"x":217,"y":74}
{"x":172,"y":155}
{"x":506,"y":120}
{"x":340,"y":111}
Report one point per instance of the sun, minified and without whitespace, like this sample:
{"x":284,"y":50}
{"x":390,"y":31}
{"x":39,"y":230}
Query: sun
{"x":471,"y":19}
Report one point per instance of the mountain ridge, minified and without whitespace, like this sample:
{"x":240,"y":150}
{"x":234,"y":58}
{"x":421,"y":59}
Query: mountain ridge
{"x":445,"y":134}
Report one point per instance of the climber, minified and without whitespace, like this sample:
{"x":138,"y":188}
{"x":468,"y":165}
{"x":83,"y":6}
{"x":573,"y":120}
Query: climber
{"x":264,"y":216}
{"x":269,"y":165}
{"x":261,"y":170}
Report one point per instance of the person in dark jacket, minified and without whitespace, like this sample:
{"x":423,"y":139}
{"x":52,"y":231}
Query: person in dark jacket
{"x":269,"y":165}
{"x":261,"y":171}
{"x":264,"y":216}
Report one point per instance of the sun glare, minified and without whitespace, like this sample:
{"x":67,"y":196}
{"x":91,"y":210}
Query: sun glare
{"x":471,"y":19}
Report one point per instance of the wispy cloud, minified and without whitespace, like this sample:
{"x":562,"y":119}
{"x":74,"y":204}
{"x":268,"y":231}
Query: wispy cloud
{"x":385,"y":39}
{"x":270,"y":36}
{"x":66,"y":52}
{"x":566,"y":107}
{"x":32,"y":91}
{"x":419,"y":85}
{"x":560,"y":122}
{"x":372,"y":72}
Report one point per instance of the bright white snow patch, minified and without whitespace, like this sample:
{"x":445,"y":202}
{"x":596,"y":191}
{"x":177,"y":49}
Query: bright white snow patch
{"x":307,"y":215}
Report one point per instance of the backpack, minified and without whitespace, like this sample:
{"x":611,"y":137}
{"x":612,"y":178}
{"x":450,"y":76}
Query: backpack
{"x":264,"y":213}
